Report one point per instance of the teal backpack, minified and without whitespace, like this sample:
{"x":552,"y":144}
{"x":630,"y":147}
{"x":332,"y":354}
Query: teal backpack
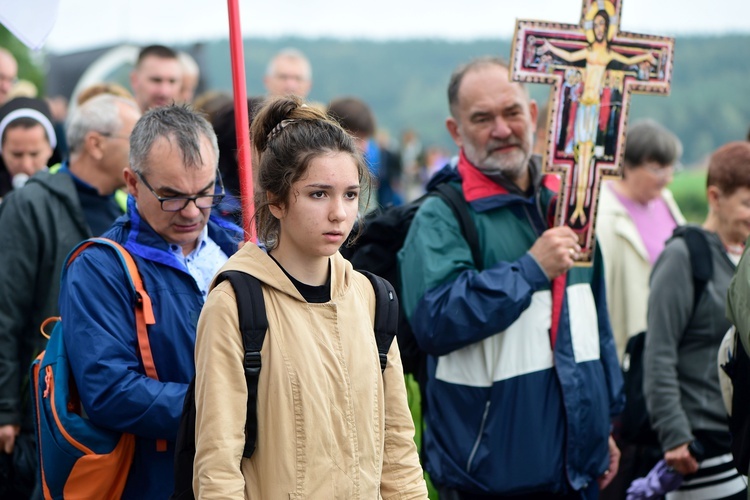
{"x":78,"y":459}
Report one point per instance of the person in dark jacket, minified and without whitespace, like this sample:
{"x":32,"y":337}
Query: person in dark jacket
{"x":41,"y":223}
{"x":178,"y":246}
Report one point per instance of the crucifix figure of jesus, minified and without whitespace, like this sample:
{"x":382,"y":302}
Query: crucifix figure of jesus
{"x":593,"y":69}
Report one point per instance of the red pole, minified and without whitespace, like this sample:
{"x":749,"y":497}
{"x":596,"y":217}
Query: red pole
{"x":241,"y":120}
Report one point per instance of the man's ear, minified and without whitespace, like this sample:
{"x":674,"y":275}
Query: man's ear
{"x":534,"y":113}
{"x":94,"y":145}
{"x":131,"y":182}
{"x":452,"y":125}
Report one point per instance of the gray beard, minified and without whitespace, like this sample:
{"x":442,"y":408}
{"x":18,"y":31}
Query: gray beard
{"x":493,"y":170}
{"x":504,"y":180}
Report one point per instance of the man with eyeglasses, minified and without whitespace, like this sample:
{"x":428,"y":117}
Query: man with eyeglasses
{"x":41,"y":223}
{"x":178,"y":247}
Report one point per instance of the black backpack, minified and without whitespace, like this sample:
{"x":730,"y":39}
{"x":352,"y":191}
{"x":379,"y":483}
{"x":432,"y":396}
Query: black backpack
{"x":635,"y":427}
{"x":383,"y":235}
{"x":738,"y":369}
{"x":253,"y":326}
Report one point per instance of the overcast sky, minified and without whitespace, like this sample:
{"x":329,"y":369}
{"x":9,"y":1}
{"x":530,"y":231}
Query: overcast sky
{"x":92,"y":23}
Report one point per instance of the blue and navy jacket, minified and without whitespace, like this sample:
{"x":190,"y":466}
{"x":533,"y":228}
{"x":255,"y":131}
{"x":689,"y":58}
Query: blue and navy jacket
{"x":97,"y":307}
{"x":507,"y":412}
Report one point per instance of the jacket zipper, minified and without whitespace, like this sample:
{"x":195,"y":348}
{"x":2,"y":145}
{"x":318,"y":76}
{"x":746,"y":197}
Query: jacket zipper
{"x":479,"y":436}
{"x":532,"y":220}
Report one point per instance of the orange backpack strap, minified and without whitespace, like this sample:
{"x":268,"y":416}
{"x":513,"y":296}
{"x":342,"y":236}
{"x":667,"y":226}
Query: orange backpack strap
{"x":144,"y":311}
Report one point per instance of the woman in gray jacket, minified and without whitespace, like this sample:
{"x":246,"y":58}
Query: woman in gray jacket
{"x":681,"y":383}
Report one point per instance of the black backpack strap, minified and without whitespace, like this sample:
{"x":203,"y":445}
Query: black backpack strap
{"x":386,"y":315}
{"x":253,"y":325}
{"x":459,"y":206}
{"x":701,"y":261}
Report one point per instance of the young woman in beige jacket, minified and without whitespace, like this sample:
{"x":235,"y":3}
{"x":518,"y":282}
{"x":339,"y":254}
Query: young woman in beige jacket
{"x":330,"y":424}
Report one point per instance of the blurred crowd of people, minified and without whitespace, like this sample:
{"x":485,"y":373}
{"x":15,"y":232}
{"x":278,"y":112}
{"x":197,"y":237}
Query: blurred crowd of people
{"x":525,"y":348}
{"x":407,"y":163}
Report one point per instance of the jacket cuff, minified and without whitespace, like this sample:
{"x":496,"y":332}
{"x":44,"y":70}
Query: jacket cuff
{"x":533,"y":272}
{"x":672,"y":438}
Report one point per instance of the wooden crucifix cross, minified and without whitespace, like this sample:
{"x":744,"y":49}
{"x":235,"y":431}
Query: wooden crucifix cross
{"x":593,"y":69}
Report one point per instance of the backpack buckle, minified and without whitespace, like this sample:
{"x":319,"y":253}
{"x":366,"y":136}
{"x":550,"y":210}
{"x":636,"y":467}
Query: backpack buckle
{"x":252,"y":363}
{"x":383,"y":360}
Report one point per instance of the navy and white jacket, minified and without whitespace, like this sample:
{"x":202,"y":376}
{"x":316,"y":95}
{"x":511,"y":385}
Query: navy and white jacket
{"x":507,"y":412}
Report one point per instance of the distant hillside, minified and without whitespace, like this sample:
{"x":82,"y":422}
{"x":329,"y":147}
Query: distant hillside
{"x":405,"y":83}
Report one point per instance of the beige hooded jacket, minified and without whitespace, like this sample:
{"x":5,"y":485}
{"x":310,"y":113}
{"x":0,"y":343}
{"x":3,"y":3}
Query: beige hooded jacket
{"x":330,"y":424}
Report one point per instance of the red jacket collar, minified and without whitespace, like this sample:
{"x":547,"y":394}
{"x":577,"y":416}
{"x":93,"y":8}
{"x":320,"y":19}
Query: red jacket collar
{"x":476,"y":185}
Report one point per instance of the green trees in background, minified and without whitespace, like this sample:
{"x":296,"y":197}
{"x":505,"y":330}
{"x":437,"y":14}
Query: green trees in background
{"x":405,"y":83}
{"x":708,"y":105}
{"x":689,"y":189}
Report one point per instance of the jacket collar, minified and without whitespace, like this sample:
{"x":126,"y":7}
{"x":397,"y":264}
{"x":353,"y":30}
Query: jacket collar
{"x":145,"y":242}
{"x":254,"y":260}
{"x":58,"y":182}
{"x":484,"y":193}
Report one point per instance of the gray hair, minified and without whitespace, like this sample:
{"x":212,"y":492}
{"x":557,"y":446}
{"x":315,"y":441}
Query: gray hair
{"x":99,"y":114}
{"x":648,"y":141}
{"x":178,"y":124}
{"x":189,"y":64}
{"x":458,"y":75}
{"x":289,"y":53}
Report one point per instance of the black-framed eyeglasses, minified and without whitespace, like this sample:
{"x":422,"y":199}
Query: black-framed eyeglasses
{"x":177,"y":203}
